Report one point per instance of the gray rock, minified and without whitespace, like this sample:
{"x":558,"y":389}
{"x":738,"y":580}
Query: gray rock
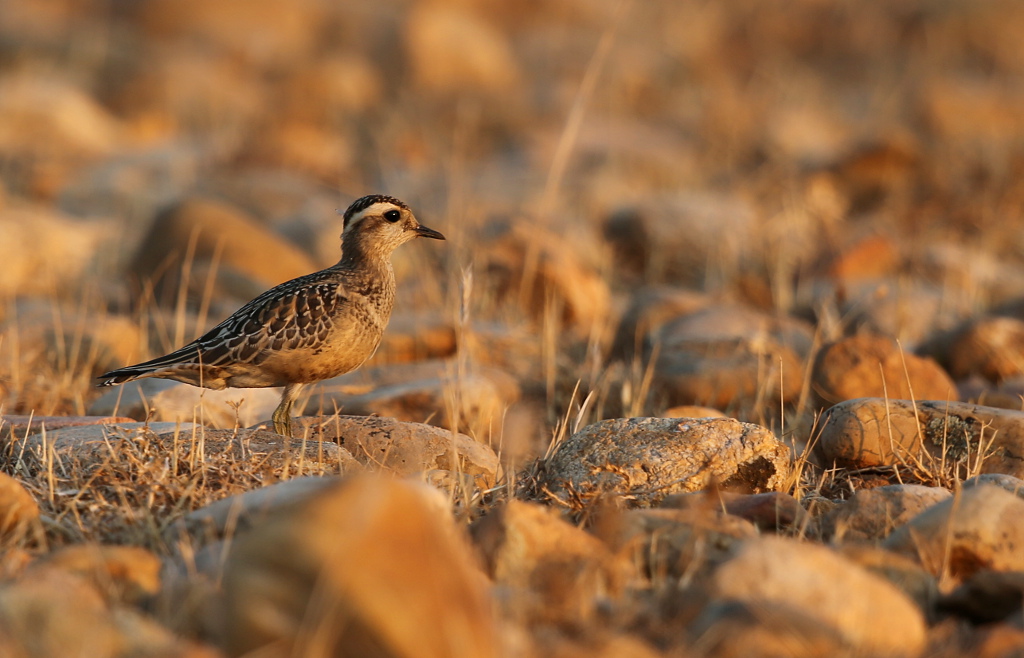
{"x":982,"y":528}
{"x":646,"y":459}
{"x":874,"y":513}
{"x":871,"y":615}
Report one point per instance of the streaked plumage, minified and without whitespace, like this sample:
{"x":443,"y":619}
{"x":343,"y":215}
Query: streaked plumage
{"x":305,"y":330}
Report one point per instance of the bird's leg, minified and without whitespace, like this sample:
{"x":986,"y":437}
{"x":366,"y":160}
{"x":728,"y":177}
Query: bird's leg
{"x":282,"y":415}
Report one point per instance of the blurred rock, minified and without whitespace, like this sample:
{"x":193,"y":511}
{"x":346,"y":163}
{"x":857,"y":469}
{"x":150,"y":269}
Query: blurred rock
{"x":735,"y":629}
{"x":453,"y":49}
{"x":768,"y":511}
{"x":44,"y":331}
{"x":19,"y":512}
{"x":324,"y":152}
{"x":906,"y":574}
{"x":22,"y":426}
{"x":870,"y":258}
{"x":646,"y":459}
{"x":992,"y":347}
{"x":212,"y":239}
{"x":404,"y":448}
{"x":121,"y":574}
{"x":45,"y":252}
{"x":132,"y":184}
{"x":416,"y":336}
{"x":263,"y":33}
{"x":371,"y":567}
{"x":544,"y":271}
{"x":430,"y":391}
{"x":673,"y":238}
{"x":56,"y":613}
{"x":955,"y":436}
{"x":244,"y":511}
{"x":1008,"y":482}
{"x":91,"y":443}
{"x":725,"y":355}
{"x":982,"y":528}
{"x":871,"y":615}
{"x":554,"y":571}
{"x":986,"y":597}
{"x":674,"y":543}
{"x":874,"y":513}
{"x":1007,"y":394}
{"x":648,"y":310}
{"x":692,"y":411}
{"x":39,"y":109}
{"x":164,"y":400}
{"x":875,"y":366}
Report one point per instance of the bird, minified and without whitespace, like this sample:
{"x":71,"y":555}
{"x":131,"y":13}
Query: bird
{"x":311,"y":328}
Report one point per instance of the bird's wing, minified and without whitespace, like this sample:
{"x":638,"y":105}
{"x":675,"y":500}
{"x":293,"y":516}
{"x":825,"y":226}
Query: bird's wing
{"x":296,"y":314}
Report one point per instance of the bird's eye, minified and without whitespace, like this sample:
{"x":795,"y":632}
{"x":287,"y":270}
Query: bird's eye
{"x":392,"y":216}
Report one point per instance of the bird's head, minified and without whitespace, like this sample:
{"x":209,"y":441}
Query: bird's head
{"x":379,"y":224}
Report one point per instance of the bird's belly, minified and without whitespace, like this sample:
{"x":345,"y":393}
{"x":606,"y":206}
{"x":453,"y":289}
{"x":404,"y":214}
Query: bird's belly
{"x":344,"y":352}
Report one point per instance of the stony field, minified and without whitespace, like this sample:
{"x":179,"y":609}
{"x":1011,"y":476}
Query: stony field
{"x":723,"y":356}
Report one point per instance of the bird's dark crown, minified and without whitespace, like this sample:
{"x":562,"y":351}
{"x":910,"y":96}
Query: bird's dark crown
{"x":365,"y":202}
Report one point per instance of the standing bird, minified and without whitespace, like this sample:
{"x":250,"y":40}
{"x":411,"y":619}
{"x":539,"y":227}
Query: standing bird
{"x":305,"y":330}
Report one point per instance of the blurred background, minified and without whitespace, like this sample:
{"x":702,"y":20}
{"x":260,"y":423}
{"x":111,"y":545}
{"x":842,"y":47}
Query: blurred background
{"x":827,"y":165}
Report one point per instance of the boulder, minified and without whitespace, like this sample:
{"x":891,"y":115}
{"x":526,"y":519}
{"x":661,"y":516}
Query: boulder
{"x":370,"y":567}
{"x":871,"y":615}
{"x":646,"y":459}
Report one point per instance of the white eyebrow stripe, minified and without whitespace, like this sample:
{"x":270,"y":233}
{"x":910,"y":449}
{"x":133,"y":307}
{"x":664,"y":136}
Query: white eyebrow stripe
{"x":378,"y":208}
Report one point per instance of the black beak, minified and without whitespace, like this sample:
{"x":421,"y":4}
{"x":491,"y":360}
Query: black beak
{"x":424,"y":232}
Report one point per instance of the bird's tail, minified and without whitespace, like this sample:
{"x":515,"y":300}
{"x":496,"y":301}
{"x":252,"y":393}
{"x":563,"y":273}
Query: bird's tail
{"x":186,"y":354}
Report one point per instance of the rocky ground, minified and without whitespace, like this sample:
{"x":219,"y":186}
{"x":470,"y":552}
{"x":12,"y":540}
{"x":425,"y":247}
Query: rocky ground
{"x":724,"y":355}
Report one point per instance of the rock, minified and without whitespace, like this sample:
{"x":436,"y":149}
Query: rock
{"x":674,"y":237}
{"x":674,"y":543}
{"x":735,"y":629}
{"x":555,"y":572}
{"x":90,"y":443}
{"x":873,"y":513}
{"x":261,"y":33}
{"x":874,"y":366}
{"x":44,"y":331}
{"x":646,"y":459}
{"x":1006,"y":394}
{"x":982,"y":528}
{"x":404,"y":448}
{"x":19,"y":512}
{"x":768,"y":511}
{"x":692,"y":411}
{"x":1008,"y":482}
{"x":542,"y":271}
{"x":413,"y":336}
{"x":870,"y":615}
{"x":56,"y":613}
{"x":955,"y":436}
{"x":723,"y":355}
{"x":648,"y":310}
{"x":164,"y":400}
{"x":121,"y":574}
{"x":992,"y":347}
{"x":901,"y":571}
{"x":370,"y":567}
{"x":213,"y":239}
{"x":45,"y":251}
{"x":23,"y":426}
{"x":424,"y":392}
{"x":243,"y":511}
{"x":986,"y":597}
{"x":452,"y":49}
{"x":872,"y":257}
{"x":38,"y":109}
